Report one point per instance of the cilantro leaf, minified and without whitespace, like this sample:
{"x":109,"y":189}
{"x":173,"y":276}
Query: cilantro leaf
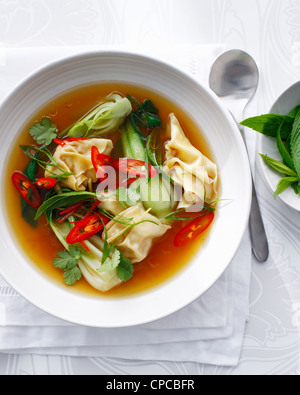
{"x":68,"y":261}
{"x":43,"y":132}
{"x":74,"y":252}
{"x":123,"y":266}
{"x":125,"y":269}
{"x":64,"y":260}
{"x":72,"y":276}
{"x":111,"y":263}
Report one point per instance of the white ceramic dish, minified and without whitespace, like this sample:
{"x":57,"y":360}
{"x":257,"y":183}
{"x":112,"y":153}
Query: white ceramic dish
{"x":267,"y":145}
{"x":229,"y":152}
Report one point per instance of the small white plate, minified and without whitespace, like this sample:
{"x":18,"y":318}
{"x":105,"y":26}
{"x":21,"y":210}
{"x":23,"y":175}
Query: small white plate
{"x":267,"y":146}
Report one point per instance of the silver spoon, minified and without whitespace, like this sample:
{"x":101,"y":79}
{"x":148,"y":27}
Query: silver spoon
{"x":234,"y":78}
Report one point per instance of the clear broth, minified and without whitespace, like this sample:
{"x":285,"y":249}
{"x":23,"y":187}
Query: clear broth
{"x":41,"y":245}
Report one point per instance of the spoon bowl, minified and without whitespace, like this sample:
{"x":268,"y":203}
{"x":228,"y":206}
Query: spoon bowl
{"x":234,"y":78}
{"x":235,"y":74}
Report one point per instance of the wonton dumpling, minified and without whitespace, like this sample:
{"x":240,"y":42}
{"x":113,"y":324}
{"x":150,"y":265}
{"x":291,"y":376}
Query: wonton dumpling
{"x":189,"y":168}
{"x":75,"y":157}
{"x":136,"y":243}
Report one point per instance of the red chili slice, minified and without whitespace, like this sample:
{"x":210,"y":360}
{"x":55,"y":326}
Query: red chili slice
{"x":71,"y":139}
{"x":92,"y":209}
{"x":193,"y":230}
{"x":136,"y":168}
{"x":62,"y":219}
{"x":45,"y":183}
{"x":70,"y":209}
{"x":86,"y":228}
{"x":85,"y":246}
{"x":68,"y":212}
{"x":94,"y":206}
{"x":99,"y":162}
{"x":27,"y":189}
{"x":59,"y":142}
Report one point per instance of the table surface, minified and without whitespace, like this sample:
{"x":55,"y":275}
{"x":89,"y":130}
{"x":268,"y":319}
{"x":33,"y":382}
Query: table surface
{"x":270,"y":31}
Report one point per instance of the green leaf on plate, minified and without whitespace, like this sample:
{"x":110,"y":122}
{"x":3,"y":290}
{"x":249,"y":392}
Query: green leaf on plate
{"x":295,"y":143}
{"x":269,"y":124}
{"x":287,"y":158}
{"x":284,"y":184}
{"x":281,"y":167}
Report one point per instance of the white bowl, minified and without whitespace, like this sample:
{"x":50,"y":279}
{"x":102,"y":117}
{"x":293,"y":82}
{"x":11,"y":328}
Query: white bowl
{"x":268,"y":146}
{"x":227,"y":147}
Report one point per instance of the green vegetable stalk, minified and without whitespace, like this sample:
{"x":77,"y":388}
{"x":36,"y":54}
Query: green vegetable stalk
{"x":157,"y":193}
{"x":132,"y":143}
{"x":88,"y":263}
{"x":106,"y":118}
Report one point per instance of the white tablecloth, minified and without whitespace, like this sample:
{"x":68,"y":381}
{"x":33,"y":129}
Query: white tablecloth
{"x":269,"y":30}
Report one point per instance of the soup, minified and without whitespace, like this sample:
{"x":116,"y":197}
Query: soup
{"x":160,"y":223}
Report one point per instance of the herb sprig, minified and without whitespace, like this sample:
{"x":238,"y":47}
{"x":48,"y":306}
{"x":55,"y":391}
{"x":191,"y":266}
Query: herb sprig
{"x":146,"y":114}
{"x":43,"y":132}
{"x":286,"y":130}
{"x":177,"y":215}
{"x":123,"y":266}
{"x":68,"y":261}
{"x":64,"y":200}
{"x":31,"y":152}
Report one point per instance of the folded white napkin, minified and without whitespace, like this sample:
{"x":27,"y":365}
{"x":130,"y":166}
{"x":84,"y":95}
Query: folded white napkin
{"x":210,"y":330}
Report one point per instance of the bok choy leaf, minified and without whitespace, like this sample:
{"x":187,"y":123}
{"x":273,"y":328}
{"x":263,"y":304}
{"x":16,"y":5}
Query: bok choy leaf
{"x":132,"y":142}
{"x":157,"y":194}
{"x":89,"y":262}
{"x":106,"y":118}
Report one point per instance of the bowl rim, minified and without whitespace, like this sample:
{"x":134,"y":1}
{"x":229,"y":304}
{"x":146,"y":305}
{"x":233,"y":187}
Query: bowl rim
{"x":234,"y":129}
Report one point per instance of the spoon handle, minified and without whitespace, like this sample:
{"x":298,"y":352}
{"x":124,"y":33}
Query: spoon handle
{"x":259,"y":240}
